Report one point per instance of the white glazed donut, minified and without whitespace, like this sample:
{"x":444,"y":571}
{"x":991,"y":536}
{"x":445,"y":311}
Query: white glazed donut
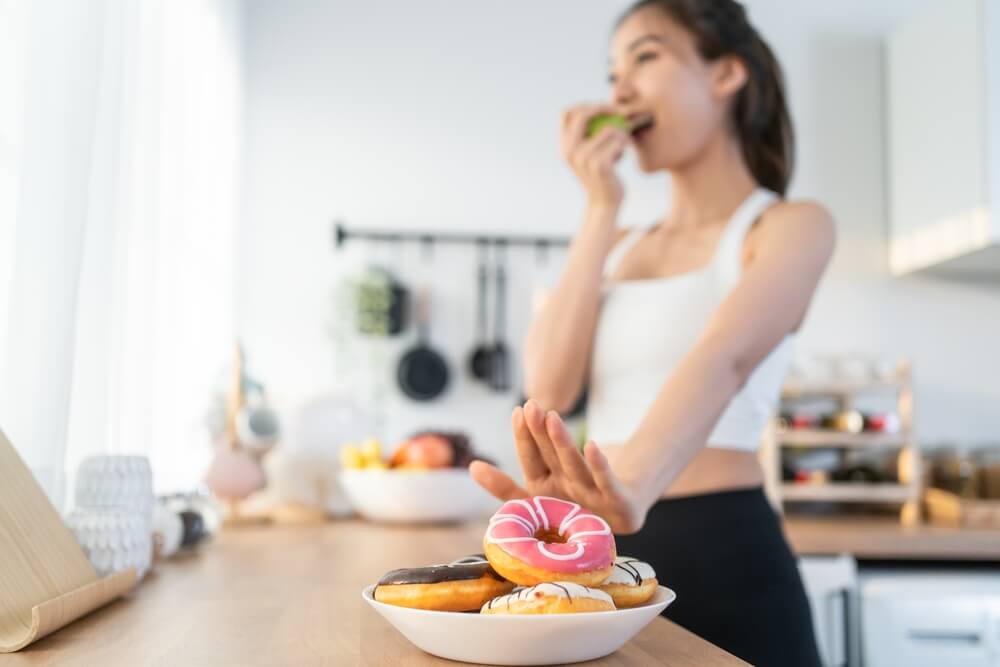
{"x":557,"y":597}
{"x":631,"y":583}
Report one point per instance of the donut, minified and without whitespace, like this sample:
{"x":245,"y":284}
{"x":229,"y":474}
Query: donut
{"x":472,"y":558}
{"x":534,"y":540}
{"x":464,"y":587}
{"x":557,"y":597}
{"x":631,"y":583}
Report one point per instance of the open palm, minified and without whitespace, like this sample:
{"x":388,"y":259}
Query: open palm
{"x":553,"y":466}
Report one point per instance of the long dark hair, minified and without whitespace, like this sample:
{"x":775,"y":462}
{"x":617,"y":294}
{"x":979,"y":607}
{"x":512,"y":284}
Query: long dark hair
{"x":760,"y":113}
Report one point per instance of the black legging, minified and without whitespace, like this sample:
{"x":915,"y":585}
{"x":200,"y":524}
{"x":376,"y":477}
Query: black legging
{"x":736,"y":580}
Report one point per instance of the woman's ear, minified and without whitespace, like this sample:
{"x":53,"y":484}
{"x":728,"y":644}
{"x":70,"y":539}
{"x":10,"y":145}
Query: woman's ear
{"x":729,"y":75}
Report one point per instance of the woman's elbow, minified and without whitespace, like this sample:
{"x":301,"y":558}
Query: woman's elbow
{"x":551,"y":395}
{"x":733,"y":365}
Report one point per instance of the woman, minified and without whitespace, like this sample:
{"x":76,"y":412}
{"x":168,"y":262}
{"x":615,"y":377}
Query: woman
{"x":682,"y":330}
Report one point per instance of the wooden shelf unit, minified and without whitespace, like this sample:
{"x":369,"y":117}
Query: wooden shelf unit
{"x":847,"y":492}
{"x":827,"y":438}
{"x":798,"y":388}
{"x":907,"y":492}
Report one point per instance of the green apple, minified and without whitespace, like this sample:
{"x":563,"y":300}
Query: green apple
{"x":595,"y":124}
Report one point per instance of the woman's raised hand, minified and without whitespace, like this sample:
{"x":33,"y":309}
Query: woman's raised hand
{"x":593,"y":159}
{"x":553,"y":466}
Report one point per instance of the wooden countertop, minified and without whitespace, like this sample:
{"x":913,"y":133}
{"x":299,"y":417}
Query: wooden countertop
{"x":873,"y":538}
{"x":291,"y":595}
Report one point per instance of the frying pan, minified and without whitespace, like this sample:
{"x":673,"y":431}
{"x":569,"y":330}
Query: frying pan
{"x":422,"y":373}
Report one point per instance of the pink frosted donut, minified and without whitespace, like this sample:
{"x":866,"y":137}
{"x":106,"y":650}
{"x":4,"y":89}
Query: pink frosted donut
{"x":534,"y":540}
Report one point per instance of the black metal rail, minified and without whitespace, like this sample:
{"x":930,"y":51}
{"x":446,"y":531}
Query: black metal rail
{"x":342,"y":234}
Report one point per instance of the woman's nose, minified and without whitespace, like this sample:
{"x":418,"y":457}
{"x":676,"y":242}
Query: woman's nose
{"x":623,"y":92}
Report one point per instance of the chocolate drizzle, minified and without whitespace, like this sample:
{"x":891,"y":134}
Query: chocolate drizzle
{"x":630,"y":569}
{"x":437,"y":574}
{"x":566,"y":590}
{"x":521,"y":593}
{"x":514,"y":595}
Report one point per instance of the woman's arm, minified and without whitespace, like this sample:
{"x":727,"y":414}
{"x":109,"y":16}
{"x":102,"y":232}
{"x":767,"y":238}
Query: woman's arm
{"x":557,"y":349}
{"x":794,"y":244}
{"x":558,"y":345}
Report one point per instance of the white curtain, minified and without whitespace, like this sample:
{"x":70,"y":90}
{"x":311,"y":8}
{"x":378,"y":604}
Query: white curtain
{"x":118,"y":237}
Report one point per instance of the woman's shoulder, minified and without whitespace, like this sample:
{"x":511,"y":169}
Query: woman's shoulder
{"x":801,"y":221}
{"x":805,"y":212}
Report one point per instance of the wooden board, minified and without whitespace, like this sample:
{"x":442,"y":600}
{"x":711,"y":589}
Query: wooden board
{"x":46,"y":580}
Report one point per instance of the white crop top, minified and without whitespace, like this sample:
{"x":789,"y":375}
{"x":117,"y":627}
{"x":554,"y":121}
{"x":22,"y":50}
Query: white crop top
{"x":645,"y":328}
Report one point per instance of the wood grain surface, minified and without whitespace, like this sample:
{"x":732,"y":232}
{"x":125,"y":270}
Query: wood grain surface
{"x":291,"y":595}
{"x":883,"y":538}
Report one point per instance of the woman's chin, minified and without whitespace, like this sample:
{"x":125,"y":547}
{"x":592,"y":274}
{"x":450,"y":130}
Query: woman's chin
{"x":649,"y":165}
{"x":651,"y":161}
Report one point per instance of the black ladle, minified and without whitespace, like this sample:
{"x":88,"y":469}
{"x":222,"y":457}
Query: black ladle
{"x":500,"y":359}
{"x":480,"y":360}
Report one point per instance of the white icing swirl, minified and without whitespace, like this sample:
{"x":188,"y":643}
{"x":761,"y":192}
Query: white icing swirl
{"x":627,"y":570}
{"x":573,"y":556}
{"x":558,"y":589}
{"x":465,"y":560}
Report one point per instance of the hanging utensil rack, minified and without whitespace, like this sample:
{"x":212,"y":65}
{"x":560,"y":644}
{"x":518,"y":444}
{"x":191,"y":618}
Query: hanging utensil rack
{"x":342,"y":234}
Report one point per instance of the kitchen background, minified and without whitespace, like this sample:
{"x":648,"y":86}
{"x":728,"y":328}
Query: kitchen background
{"x":275,"y":119}
{"x":443,"y":116}
{"x":170,"y":177}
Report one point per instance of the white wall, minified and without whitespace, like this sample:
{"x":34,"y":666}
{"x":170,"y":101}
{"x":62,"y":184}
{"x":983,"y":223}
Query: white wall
{"x":443,"y":115}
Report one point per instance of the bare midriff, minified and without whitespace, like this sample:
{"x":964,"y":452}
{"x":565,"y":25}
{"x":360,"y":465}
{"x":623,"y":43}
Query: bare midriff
{"x":712,"y":470}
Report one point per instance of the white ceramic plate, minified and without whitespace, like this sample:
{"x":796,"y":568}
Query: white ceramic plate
{"x":409,"y":496}
{"x":500,"y":639}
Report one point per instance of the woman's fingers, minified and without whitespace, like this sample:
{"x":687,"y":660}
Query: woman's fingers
{"x":569,"y":456}
{"x":604,"y":477}
{"x":574,"y":124}
{"x":495,"y":481}
{"x":603,"y":150}
{"x":535,"y":419}
{"x":532,"y":464}
{"x":576,"y":121}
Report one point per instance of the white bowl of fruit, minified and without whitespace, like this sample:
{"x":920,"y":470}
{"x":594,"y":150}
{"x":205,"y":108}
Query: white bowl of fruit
{"x":426,"y":480}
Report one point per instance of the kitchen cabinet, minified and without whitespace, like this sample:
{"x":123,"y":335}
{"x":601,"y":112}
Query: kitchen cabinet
{"x":891,"y":613}
{"x":831,"y":586}
{"x":943,"y":121}
{"x":930,"y":618}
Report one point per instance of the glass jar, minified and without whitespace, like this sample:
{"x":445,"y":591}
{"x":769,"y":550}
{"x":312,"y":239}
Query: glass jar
{"x":954,"y":472}
{"x":988,"y":463}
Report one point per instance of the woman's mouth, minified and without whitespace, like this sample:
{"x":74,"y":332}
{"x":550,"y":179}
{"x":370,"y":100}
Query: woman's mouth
{"x":640,"y":125}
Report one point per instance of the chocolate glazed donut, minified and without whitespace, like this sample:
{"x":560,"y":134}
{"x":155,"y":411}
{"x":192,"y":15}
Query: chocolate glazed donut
{"x":458,"y":587}
{"x":435,"y":574}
